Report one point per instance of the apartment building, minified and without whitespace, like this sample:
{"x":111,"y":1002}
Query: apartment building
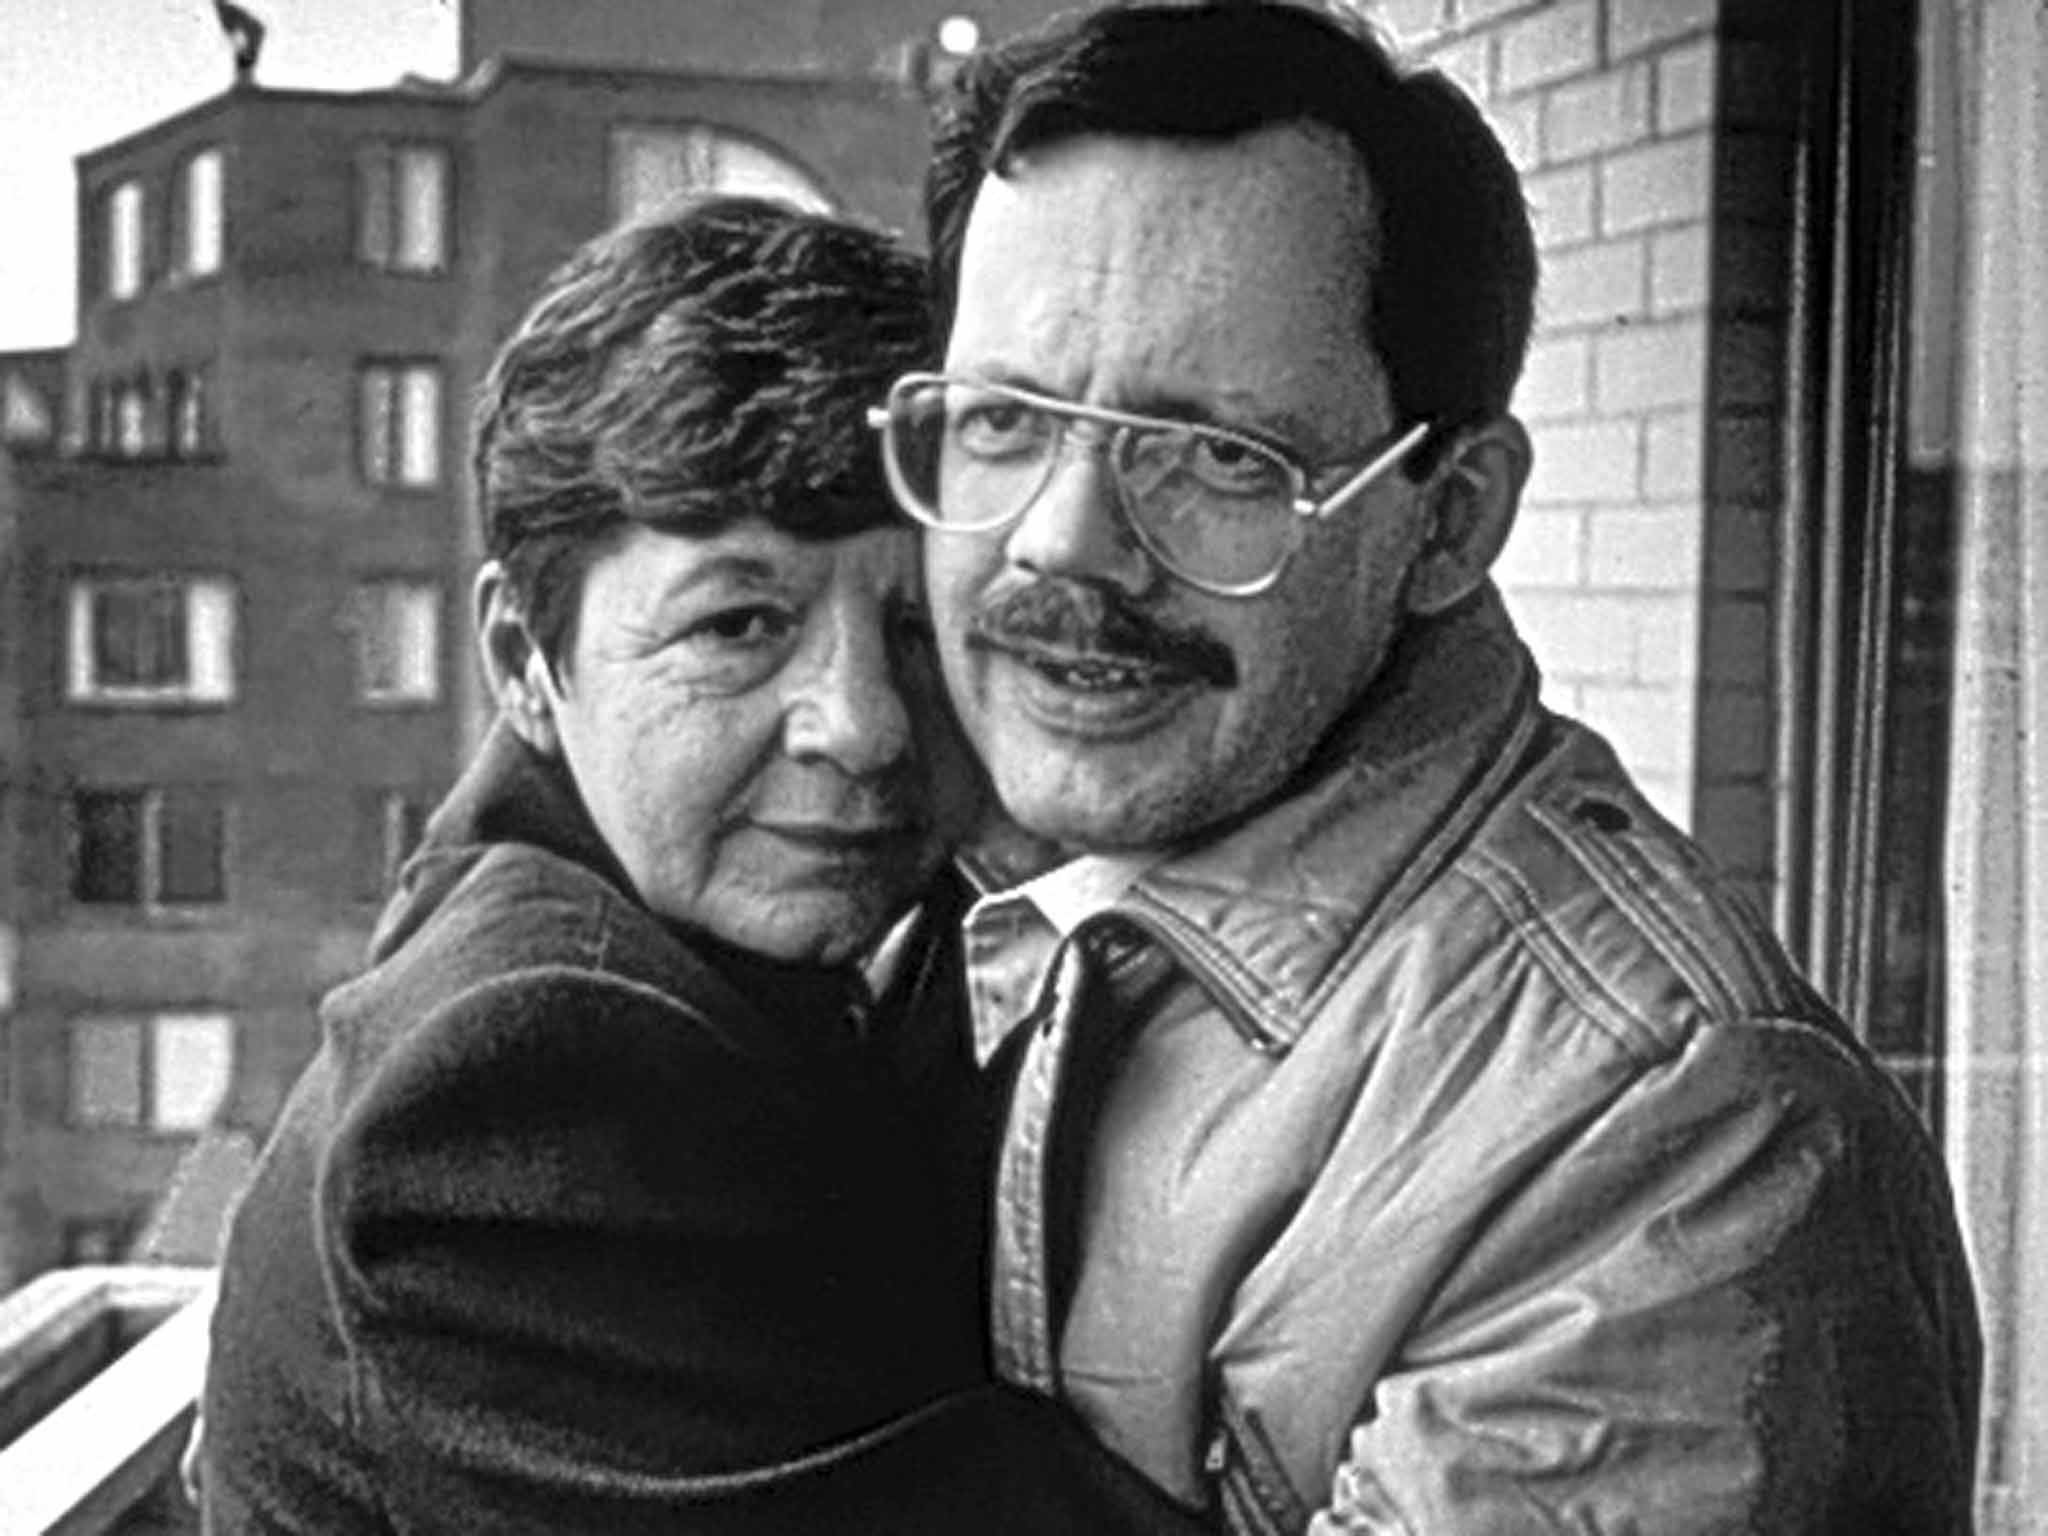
{"x":235,"y":666}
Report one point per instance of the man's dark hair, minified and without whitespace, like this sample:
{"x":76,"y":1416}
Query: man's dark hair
{"x":686,"y":373}
{"x":1454,"y":278}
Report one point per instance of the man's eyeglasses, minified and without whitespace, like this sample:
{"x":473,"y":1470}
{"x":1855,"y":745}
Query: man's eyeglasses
{"x":1222,"y":510}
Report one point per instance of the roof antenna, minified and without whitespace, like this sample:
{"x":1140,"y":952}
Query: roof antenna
{"x":245,"y":33}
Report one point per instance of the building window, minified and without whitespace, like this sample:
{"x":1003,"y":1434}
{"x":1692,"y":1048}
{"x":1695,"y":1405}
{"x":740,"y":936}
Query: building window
{"x":186,"y":406}
{"x":389,"y":826}
{"x":399,"y":423}
{"x":149,"y":847}
{"x":166,"y":1072}
{"x":402,"y":207}
{"x":27,"y":417}
{"x":123,"y":235}
{"x":133,"y":427}
{"x":398,"y":642}
{"x":652,"y":166}
{"x":151,"y":639}
{"x":201,"y":214}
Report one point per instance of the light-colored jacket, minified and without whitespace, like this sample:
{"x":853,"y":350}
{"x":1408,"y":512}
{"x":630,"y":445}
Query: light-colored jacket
{"x":1487,"y":1168}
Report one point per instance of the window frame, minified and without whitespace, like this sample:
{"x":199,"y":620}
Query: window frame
{"x":124,"y":282}
{"x":211,"y":666}
{"x":400,"y":371}
{"x":378,"y":206}
{"x":804,"y":187}
{"x":150,"y":1026}
{"x":184,"y":226}
{"x":370,"y":600}
{"x":154,"y":825}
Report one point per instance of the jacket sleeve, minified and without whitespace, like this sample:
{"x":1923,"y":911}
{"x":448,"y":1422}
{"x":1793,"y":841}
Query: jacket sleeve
{"x":597,"y":1273}
{"x":1733,"y":1300}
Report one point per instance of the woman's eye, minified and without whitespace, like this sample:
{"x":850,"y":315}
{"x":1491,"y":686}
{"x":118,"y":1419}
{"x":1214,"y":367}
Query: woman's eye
{"x":752,"y":625}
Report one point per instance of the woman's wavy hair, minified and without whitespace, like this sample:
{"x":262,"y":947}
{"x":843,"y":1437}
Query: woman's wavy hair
{"x":1452,"y":258}
{"x":710,"y":365}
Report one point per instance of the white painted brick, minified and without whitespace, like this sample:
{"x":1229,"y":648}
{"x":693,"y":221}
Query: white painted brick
{"x":1668,"y":182}
{"x":1561,"y":205}
{"x":1633,"y":25}
{"x":1651,"y":728}
{"x":1544,"y":552}
{"x":1685,"y":87}
{"x":1519,"y":127}
{"x":1674,"y":465}
{"x":1557,"y":379}
{"x":1606,"y":111}
{"x":1413,"y":22}
{"x":1473,"y":13}
{"x":1469,"y":63}
{"x":1644,"y":549}
{"x":1551,"y":44}
{"x":1670,"y":796}
{"x":1679,"y":268}
{"x":1667,"y":636}
{"x":1647,"y":367}
{"x":1594,"y":284}
{"x":1575,"y":638}
{"x":1598,"y":462}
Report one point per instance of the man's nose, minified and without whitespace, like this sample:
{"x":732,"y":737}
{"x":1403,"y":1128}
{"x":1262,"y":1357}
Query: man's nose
{"x":1076,"y":525}
{"x":844,"y":703}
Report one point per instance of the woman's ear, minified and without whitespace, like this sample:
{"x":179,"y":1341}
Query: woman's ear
{"x":515,"y":669}
{"x":1478,"y":489}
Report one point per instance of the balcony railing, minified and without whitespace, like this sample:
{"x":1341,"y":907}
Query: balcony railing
{"x":100,"y":1371}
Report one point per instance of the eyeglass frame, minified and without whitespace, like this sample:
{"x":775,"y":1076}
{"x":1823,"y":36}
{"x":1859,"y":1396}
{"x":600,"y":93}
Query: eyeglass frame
{"x":1302,"y":504}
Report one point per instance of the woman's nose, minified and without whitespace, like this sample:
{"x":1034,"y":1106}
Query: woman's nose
{"x":845,"y":704}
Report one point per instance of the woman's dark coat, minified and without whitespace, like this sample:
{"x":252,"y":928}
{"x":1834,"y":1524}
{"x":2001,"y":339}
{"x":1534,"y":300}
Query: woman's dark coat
{"x":573,"y":1225}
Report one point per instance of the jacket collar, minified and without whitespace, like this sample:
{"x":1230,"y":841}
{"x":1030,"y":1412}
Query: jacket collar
{"x":1262,"y":913}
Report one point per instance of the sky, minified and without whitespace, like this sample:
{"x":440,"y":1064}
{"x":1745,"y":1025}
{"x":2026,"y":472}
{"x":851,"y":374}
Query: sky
{"x":76,"y":74}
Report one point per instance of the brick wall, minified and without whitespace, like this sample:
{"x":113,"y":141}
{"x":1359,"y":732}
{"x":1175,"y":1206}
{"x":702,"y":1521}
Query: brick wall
{"x":1640,"y":568}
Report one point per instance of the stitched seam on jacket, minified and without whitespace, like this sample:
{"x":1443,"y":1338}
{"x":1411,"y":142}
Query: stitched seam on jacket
{"x":1638,"y":888}
{"x":1601,"y":1006}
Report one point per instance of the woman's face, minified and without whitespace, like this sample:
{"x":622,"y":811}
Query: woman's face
{"x":757,"y":728}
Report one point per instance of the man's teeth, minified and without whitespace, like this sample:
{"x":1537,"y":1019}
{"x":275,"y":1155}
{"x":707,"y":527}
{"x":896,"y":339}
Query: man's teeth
{"x":1100,"y":676}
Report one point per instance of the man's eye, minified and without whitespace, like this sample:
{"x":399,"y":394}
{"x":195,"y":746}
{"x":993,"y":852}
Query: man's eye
{"x":991,"y":428}
{"x":1234,"y":468}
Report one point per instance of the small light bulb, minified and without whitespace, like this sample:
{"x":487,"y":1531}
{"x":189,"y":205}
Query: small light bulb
{"x":959,"y":34}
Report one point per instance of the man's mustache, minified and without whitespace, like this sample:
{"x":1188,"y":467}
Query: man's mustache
{"x":1085,"y":621}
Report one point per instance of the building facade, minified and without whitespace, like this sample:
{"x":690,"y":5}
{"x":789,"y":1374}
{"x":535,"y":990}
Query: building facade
{"x":237,"y":541}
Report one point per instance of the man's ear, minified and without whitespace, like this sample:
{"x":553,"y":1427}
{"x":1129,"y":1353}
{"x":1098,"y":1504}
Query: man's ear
{"x":515,"y":669}
{"x":1477,"y":491}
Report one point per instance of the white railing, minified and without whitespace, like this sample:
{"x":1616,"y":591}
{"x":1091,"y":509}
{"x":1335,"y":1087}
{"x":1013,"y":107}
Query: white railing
{"x":83,"y":1464}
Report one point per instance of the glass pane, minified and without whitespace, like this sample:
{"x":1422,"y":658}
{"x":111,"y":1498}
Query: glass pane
{"x":422,"y":210}
{"x":741,"y":166}
{"x":191,"y":847}
{"x":106,"y":1072}
{"x":139,"y":636}
{"x":376,"y":418}
{"x":195,"y":1067}
{"x":419,"y":448}
{"x":124,"y":241}
{"x":203,"y":213}
{"x":106,"y":861}
{"x":373,"y":206}
{"x":210,"y":639}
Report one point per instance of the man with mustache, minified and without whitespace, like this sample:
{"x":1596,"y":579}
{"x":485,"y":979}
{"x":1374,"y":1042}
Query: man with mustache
{"x":1400,"y":1128}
